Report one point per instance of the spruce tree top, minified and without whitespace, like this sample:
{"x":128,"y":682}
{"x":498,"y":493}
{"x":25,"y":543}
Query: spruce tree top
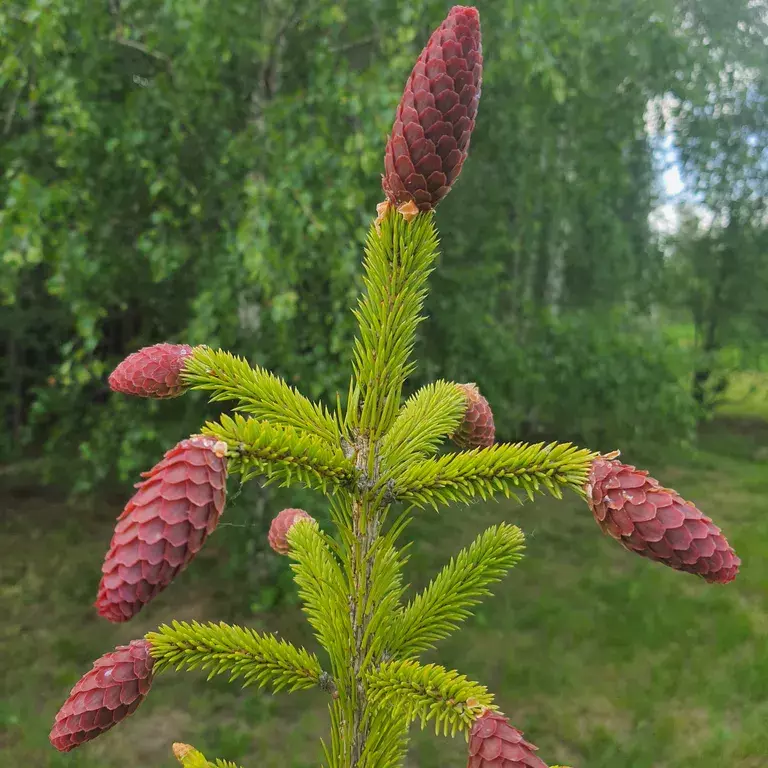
{"x":378,"y":460}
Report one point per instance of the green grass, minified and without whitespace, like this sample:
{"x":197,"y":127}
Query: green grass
{"x":604,"y":660}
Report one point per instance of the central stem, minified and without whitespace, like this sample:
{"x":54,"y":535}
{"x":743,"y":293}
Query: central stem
{"x":365,"y":526}
{"x":398,"y":260}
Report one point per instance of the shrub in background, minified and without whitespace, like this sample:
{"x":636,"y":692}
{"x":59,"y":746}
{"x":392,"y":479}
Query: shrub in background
{"x":606,"y":379}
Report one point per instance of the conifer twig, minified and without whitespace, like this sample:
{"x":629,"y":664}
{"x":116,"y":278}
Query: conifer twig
{"x":503,"y":468}
{"x":436,"y":612}
{"x":258,"y":392}
{"x":243,"y":653}
{"x":281,"y":454}
{"x":428,"y":692}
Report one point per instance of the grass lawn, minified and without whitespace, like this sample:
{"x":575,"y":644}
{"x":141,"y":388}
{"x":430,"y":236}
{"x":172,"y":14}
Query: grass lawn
{"x":604,"y":660}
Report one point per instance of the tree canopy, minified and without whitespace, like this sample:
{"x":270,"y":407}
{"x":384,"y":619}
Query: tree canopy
{"x":187,"y":171}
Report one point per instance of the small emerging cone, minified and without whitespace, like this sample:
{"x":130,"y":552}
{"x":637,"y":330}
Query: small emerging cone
{"x":152,"y":371}
{"x":436,"y":116}
{"x":655,"y":522}
{"x":477,"y":429}
{"x":180,"y":751}
{"x":494,"y":743}
{"x":282,"y":523}
{"x":103,"y":697}
{"x":189,"y":757}
{"x":163,"y":526}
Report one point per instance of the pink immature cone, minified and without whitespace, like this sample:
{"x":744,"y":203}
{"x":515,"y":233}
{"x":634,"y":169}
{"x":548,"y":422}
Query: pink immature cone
{"x":477,"y":429}
{"x":103,"y":697}
{"x":283,"y":522}
{"x":152,"y":371}
{"x":494,"y":743}
{"x":163,"y":526}
{"x":434,"y":122}
{"x":657,"y":523}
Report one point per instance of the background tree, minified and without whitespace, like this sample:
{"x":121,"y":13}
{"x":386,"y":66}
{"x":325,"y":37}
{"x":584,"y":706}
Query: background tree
{"x":719,"y":273}
{"x":163,"y":165}
{"x":720,"y":128}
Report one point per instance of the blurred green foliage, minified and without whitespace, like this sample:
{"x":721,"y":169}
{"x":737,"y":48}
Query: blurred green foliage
{"x":609,"y":379}
{"x":205,"y":173}
{"x":719,"y":273}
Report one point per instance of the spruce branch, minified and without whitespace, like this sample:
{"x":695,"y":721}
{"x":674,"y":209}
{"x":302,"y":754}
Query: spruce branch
{"x":259,"y":393}
{"x":460,"y":477}
{"x":397,"y":263}
{"x":239,"y":651}
{"x":461,"y":584}
{"x":428,"y":692}
{"x":282,"y":454}
{"x":323,"y":591}
{"x":430,"y":415}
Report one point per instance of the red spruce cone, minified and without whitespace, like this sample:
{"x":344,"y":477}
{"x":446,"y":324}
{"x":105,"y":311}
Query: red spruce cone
{"x":436,"y":116}
{"x":103,"y":697}
{"x":657,"y":523}
{"x":494,"y":743}
{"x":283,"y":522}
{"x":163,"y":526}
{"x":477,"y":429}
{"x":152,"y":371}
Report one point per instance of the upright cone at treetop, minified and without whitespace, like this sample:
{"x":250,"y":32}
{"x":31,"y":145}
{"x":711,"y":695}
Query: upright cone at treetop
{"x":436,"y":116}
